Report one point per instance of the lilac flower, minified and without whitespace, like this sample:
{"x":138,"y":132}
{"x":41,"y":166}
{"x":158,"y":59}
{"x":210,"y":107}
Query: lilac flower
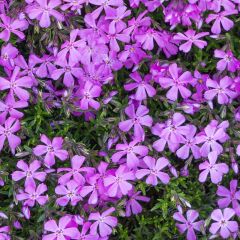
{"x":118,"y":183}
{"x":51,"y":149}
{"x":103,"y":222}
{"x":132,"y":205}
{"x":221,"y":19}
{"x":171,"y":132}
{"x":189,"y":144}
{"x":221,"y":89}
{"x":136,"y":120}
{"x":87,"y":95}
{"x":4,"y":232}
{"x":154,"y":171}
{"x":177,"y":83}
{"x":227,"y":60}
{"x":144,"y":88}
{"x":73,"y":5}
{"x":14,"y":26}
{"x":192,"y":38}
{"x":16,"y":84}
{"x":223,"y":223}
{"x":29,"y":172}
{"x":87,"y":236}
{"x":33,"y":194}
{"x":8,"y":55}
{"x":64,"y":230}
{"x":188,"y":224}
{"x":231,"y":196}
{"x":130,"y":150}
{"x":42,"y":10}
{"x":46,"y":66}
{"x":7,"y":131}
{"x":69,"y":192}
{"x":216,"y":170}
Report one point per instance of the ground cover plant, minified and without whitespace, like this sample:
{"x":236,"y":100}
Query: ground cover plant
{"x":119,"y":119}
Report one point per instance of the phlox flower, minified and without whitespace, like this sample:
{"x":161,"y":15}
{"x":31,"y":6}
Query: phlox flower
{"x":223,"y":225}
{"x":192,"y":39}
{"x":73,"y":5}
{"x":221,"y":89}
{"x":29,"y":172}
{"x":42,"y":10}
{"x":103,"y":223}
{"x":46,"y":67}
{"x":12,"y":26}
{"x":188,"y":224}
{"x":17,"y":84}
{"x":64,"y":230}
{"x":131,"y":150}
{"x":137,"y":119}
{"x":177,"y":83}
{"x":118,"y":183}
{"x":238,"y":150}
{"x":33,"y":194}
{"x":216,"y":170}
{"x":144,"y":88}
{"x":216,"y":5}
{"x":50,"y":150}
{"x":70,"y":193}
{"x":231,"y":196}
{"x":8,"y":55}
{"x":132,"y":204}
{"x":7,"y":131}
{"x":153,"y":170}
{"x":221,"y":19}
{"x":4,"y":232}
{"x":85,"y":235}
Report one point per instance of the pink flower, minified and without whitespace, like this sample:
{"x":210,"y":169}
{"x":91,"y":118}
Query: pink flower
{"x":103,"y":222}
{"x":118,"y":183}
{"x":132,"y":205}
{"x":192,"y":38}
{"x":42,"y":10}
{"x":227,"y":228}
{"x":144,"y":88}
{"x":4,"y":233}
{"x":16,"y":84}
{"x":64,"y":230}
{"x":216,"y":170}
{"x":154,"y":170}
{"x":188,"y":224}
{"x":51,"y":149}
{"x":7,"y":131}
{"x":231,"y":196}
{"x":221,"y":89}
{"x":14,"y":26}
{"x":87,"y":236}
{"x":70,"y":192}
{"x":33,"y":194}
{"x":136,"y":120}
{"x":29,"y":172}
{"x":220,"y":19}
{"x":130,"y":150}
{"x":177,"y":83}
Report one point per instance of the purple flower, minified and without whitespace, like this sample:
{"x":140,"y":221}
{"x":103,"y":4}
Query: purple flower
{"x":216,"y":170}
{"x":42,"y":10}
{"x":231,"y":196}
{"x":51,"y":149}
{"x":29,"y":172}
{"x":64,"y":230}
{"x":130,"y":150}
{"x":4,"y":232}
{"x":136,"y":120}
{"x":221,"y":89}
{"x":103,"y":222}
{"x":87,"y":236}
{"x":227,"y":228}
{"x":144,"y":88}
{"x":69,"y":192}
{"x":14,"y":26}
{"x":16,"y":84}
{"x":132,"y":205}
{"x":221,"y":19}
{"x":154,"y":170}
{"x":177,"y":83}
{"x":192,"y":38}
{"x":7,"y":131}
{"x":8,"y":55}
{"x":118,"y":183}
{"x":188,"y":224}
